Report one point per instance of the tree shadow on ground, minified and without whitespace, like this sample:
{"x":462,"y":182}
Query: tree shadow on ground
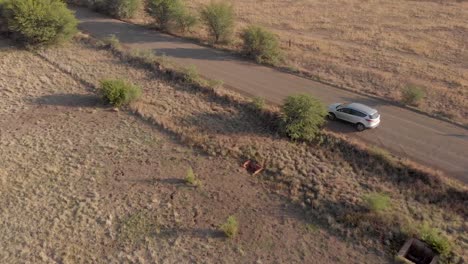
{"x":193,"y":232}
{"x":71,"y":100}
{"x":239,"y":123}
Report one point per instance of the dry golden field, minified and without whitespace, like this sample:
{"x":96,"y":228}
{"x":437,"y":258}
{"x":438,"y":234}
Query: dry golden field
{"x":373,"y":46}
{"x":81,"y":183}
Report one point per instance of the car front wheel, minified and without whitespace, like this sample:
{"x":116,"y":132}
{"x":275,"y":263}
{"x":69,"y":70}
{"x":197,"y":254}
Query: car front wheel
{"x":360,"y":127}
{"x":331,"y":116}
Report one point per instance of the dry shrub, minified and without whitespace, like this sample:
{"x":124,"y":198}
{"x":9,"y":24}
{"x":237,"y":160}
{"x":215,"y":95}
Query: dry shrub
{"x":412,"y":95}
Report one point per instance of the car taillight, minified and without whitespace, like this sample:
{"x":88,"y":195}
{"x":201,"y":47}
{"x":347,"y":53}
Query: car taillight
{"x":370,"y":120}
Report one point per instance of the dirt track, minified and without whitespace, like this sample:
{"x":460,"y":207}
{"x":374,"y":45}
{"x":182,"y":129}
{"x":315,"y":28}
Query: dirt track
{"x":432,"y":142}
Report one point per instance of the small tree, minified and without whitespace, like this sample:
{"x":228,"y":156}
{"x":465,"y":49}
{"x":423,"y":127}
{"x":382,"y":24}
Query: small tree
{"x":302,"y":117}
{"x":412,"y":94}
{"x":38,"y":21}
{"x":123,"y":8}
{"x":219,"y":18}
{"x":185,"y":21}
{"x":165,"y":12}
{"x":261,"y":44}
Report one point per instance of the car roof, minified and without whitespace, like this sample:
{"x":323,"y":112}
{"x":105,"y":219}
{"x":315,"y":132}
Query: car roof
{"x":362,"y":108}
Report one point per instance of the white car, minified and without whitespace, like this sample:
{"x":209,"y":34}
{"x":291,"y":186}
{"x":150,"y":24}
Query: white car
{"x":358,"y":114}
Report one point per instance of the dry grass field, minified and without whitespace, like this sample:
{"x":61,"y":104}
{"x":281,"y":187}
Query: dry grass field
{"x":375,"y":46}
{"x":80,"y":183}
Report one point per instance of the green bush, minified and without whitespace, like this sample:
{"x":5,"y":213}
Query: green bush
{"x":302,"y":117}
{"x":411,"y":95}
{"x":119,"y":92}
{"x":191,"y":178}
{"x":230,"y":227}
{"x":219,"y":18}
{"x":184,"y":21}
{"x":377,"y":202}
{"x":112,"y":42}
{"x":166,"y":12}
{"x":261,"y":44}
{"x":122,"y":8}
{"x":38,"y":22}
{"x":191,"y":75}
{"x":257,"y":104}
{"x":435,"y":239}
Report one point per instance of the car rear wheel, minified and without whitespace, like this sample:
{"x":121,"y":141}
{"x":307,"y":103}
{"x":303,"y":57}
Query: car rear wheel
{"x":360,"y":127}
{"x":331,"y":116}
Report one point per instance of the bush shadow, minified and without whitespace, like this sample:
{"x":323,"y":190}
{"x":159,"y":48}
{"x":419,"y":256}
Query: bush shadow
{"x":71,"y":100}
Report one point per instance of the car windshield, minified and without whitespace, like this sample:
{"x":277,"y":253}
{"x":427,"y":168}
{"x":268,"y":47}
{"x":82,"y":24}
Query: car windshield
{"x":338,"y":106}
{"x":374,"y":115}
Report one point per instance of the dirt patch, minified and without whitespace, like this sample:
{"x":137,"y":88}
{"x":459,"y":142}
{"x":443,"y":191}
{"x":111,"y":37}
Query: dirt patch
{"x":82,"y":184}
{"x":330,"y":180}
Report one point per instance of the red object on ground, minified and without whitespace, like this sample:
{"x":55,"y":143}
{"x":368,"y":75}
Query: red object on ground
{"x":252,"y":167}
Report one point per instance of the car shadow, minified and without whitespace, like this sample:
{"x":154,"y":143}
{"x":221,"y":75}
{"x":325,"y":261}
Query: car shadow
{"x":340,"y":126}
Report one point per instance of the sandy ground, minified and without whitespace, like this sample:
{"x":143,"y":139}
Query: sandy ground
{"x":80,"y":183}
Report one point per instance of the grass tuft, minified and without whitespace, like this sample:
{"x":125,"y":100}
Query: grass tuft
{"x":377,"y":202}
{"x":230,"y":227}
{"x":435,"y":239}
{"x":412,"y":95}
{"x":191,"y":178}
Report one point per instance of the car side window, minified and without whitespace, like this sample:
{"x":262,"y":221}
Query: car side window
{"x":357,"y":113}
{"x":346,"y":110}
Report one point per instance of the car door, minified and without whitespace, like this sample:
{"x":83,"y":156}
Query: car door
{"x":357,"y":116}
{"x":344,"y":114}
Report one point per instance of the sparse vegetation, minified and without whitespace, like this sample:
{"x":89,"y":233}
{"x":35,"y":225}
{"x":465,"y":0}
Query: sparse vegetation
{"x":136,"y":227}
{"x":215,"y":83}
{"x":381,"y":154}
{"x":230,"y":227}
{"x":258,"y":104}
{"x":311,"y":228}
{"x":119,"y":92}
{"x":219,"y":19}
{"x":280,"y":154}
{"x":336,"y":182}
{"x":361,"y":60}
{"x":377,"y":202}
{"x":191,"y":75}
{"x":121,"y":8}
{"x":412,"y":95}
{"x":185,"y":21}
{"x":38,"y":22}
{"x":191,"y":178}
{"x":435,"y":239}
{"x":113,"y":42}
{"x":302,"y":117}
{"x":167,"y":12}
{"x":261,"y":44}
